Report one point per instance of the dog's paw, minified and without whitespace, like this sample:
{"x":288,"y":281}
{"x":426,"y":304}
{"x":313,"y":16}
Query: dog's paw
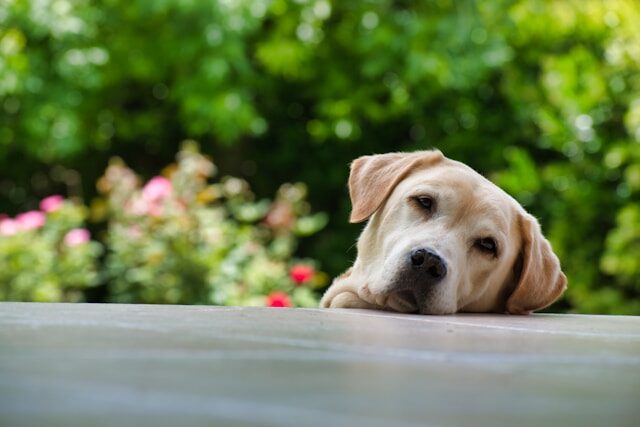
{"x":365,"y":293}
{"x":347,"y":300}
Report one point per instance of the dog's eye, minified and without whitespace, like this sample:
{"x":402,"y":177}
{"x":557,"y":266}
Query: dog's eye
{"x":426,"y":202}
{"x":487,"y":244}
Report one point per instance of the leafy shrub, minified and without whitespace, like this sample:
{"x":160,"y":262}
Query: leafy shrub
{"x":46,"y":255}
{"x":180,"y":239}
{"x":177,"y":239}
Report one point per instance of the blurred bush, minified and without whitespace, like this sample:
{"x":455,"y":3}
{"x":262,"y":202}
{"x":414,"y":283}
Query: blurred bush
{"x":178,"y":240}
{"x":542,"y":96}
{"x":46,"y":255}
{"x":181,"y":240}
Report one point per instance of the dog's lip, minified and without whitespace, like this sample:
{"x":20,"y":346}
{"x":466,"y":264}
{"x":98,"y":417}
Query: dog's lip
{"x":407,"y":299}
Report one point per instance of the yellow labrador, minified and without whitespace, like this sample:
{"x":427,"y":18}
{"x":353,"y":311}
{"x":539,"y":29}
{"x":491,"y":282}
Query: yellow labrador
{"x":442,"y":239}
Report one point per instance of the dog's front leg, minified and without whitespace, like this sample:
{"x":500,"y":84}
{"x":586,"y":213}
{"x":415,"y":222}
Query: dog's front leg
{"x":344,"y":293}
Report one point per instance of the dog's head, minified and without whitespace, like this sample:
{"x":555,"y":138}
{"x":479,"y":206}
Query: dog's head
{"x":441,"y":239}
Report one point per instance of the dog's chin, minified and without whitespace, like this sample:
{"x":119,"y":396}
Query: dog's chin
{"x":406,"y":302}
{"x":403,"y":302}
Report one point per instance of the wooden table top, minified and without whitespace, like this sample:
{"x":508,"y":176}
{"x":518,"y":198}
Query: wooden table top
{"x":141,"y":365}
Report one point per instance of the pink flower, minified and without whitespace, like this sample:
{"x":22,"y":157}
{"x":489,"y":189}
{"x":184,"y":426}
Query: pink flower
{"x":51,"y":203}
{"x":135,"y":232}
{"x":301,"y":273}
{"x":158,"y":188}
{"x":280,"y":215}
{"x":77,"y":236}
{"x":137,"y":206}
{"x":155,"y":209}
{"x":278,"y":299}
{"x":154,"y":193}
{"x":31,"y":220}
{"x":9,"y":227}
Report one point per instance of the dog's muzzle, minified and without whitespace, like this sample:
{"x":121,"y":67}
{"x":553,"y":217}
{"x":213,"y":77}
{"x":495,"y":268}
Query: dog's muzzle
{"x":423,"y":269}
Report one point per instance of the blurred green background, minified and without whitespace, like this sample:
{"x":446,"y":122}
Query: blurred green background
{"x":543,"y":97}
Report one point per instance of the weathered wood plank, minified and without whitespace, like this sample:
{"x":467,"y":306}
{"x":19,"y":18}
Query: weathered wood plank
{"x":105,"y":365}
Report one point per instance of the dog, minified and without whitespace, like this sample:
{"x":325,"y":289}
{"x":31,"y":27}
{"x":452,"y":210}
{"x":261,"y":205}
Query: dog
{"x":442,"y":239}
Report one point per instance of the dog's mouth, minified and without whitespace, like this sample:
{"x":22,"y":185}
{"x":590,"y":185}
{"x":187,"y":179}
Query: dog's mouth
{"x":404,"y":301}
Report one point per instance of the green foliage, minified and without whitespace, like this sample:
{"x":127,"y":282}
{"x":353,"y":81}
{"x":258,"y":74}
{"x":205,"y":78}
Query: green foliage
{"x":543,"y":96}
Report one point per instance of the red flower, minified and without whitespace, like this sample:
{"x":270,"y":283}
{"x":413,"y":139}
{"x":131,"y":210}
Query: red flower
{"x":301,"y":273}
{"x":278,"y":299}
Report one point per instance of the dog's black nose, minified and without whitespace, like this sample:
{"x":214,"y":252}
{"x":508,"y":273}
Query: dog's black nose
{"x":417,"y":257}
{"x":430,"y":263}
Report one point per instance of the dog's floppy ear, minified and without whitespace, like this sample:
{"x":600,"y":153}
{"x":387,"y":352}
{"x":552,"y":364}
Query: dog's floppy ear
{"x":541,"y":281}
{"x":373,"y":178}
